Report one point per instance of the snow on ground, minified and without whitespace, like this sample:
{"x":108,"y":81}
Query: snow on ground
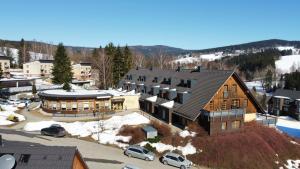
{"x":289,"y":125}
{"x":285,"y":63}
{"x":212,"y":56}
{"x":258,"y":86}
{"x":110,"y":127}
{"x":292,"y":164}
{"x":187,"y":60}
{"x":6,"y":111}
{"x":186,"y":133}
{"x":161,"y":147}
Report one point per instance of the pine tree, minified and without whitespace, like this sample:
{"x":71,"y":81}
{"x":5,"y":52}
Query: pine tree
{"x":128,"y":59}
{"x":34,"y":89}
{"x":62,"y":70}
{"x":109,"y":51}
{"x":21,"y":53}
{"x":118,"y":65}
{"x":268,"y":79}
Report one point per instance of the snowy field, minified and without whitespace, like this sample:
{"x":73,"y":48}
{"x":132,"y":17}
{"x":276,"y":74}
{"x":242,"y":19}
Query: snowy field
{"x":108,"y":131}
{"x":8,"y":110}
{"x":289,"y":125}
{"x":285,"y":63}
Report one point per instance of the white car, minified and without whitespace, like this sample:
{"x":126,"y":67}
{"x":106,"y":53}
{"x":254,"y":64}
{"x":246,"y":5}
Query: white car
{"x":129,"y":166}
{"x":176,"y":160}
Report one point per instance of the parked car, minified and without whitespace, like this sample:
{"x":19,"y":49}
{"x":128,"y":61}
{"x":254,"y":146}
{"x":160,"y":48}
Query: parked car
{"x":54,"y":130}
{"x":139,"y":152}
{"x":176,"y":160}
{"x":129,"y":166}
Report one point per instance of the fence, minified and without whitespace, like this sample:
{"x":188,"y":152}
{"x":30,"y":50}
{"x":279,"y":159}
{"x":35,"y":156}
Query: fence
{"x":97,"y":114}
{"x":267,"y":120}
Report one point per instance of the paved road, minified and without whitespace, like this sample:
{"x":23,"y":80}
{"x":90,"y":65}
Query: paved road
{"x":96,"y":155}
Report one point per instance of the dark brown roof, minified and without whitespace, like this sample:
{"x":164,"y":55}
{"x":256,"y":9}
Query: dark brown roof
{"x":46,"y":61}
{"x":293,"y":94}
{"x":43,"y":157}
{"x":207,"y":84}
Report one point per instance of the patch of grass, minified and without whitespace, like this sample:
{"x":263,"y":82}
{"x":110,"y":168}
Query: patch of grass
{"x":154,"y":140}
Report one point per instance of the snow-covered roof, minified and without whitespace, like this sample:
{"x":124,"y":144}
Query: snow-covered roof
{"x":169,"y":104}
{"x":152,"y":99}
{"x":281,"y":97}
{"x":85,"y":93}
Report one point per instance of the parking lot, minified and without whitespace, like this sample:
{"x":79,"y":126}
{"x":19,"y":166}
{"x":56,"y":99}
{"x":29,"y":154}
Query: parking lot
{"x":97,"y":156}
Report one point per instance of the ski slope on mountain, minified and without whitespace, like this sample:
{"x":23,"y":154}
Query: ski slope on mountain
{"x":286,"y":64}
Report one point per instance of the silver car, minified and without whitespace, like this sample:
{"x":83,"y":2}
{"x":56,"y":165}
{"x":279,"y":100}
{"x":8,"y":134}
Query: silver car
{"x":139,"y":152}
{"x":129,"y":166}
{"x":176,"y":160}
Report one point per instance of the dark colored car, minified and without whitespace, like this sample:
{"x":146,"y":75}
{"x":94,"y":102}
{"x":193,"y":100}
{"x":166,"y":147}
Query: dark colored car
{"x":54,"y":130}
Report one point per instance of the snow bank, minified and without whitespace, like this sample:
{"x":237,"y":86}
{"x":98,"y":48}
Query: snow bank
{"x":108,"y":135}
{"x":161,"y":147}
{"x":289,"y":125}
{"x":5,"y":114}
{"x":186,"y":133}
{"x":212,"y":56}
{"x":285,"y":63}
{"x":292,"y":164}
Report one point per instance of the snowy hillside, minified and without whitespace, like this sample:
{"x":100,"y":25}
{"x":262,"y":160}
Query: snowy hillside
{"x":33,"y":55}
{"x":295,"y":51}
{"x":286,"y":63}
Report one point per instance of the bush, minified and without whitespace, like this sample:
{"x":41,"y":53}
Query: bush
{"x":149,"y":147}
{"x":136,"y":133}
{"x":12,"y":118}
{"x":154,"y":140}
{"x":254,"y":147}
{"x":162,"y":129}
{"x":195,"y":127}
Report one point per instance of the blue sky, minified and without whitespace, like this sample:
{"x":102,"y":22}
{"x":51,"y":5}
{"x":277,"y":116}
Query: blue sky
{"x":189,"y":24}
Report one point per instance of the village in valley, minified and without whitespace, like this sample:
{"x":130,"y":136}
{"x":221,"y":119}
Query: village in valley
{"x":119,"y":105}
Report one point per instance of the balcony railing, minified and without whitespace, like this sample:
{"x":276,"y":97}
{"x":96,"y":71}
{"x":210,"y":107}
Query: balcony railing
{"x":225,"y":113}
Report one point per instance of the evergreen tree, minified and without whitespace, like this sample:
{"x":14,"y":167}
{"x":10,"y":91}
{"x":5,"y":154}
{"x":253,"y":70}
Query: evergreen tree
{"x":127,"y":59}
{"x":34,"y":89}
{"x":292,"y":81}
{"x":62,"y":70}
{"x":109,"y":51}
{"x":118,"y":65}
{"x":268,"y":79}
{"x":23,"y":53}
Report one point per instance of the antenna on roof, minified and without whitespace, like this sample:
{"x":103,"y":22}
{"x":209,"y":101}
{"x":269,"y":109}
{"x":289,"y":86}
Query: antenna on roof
{"x":7,"y":161}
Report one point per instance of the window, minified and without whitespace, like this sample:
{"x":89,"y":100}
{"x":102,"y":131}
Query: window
{"x":245,"y":104}
{"x":224,"y":125}
{"x":225,"y":92}
{"x":211,"y":105}
{"x":86,"y":106}
{"x":24,"y":158}
{"x":53,"y":106}
{"x":286,"y":101}
{"x":225,"y":88}
{"x":234,"y":88}
{"x":224,"y":105}
{"x":236,"y":124}
{"x":235,"y":103}
{"x":63,"y":106}
{"x":97,"y":106}
{"x":74,"y":106}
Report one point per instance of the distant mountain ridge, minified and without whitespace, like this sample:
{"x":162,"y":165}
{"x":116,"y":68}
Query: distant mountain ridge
{"x":167,"y":50}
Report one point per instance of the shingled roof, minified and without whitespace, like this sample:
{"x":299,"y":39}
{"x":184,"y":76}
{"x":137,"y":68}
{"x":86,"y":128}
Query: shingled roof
{"x":207,"y":84}
{"x":202,"y":93}
{"x":40,"y":156}
{"x":293,"y":94}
